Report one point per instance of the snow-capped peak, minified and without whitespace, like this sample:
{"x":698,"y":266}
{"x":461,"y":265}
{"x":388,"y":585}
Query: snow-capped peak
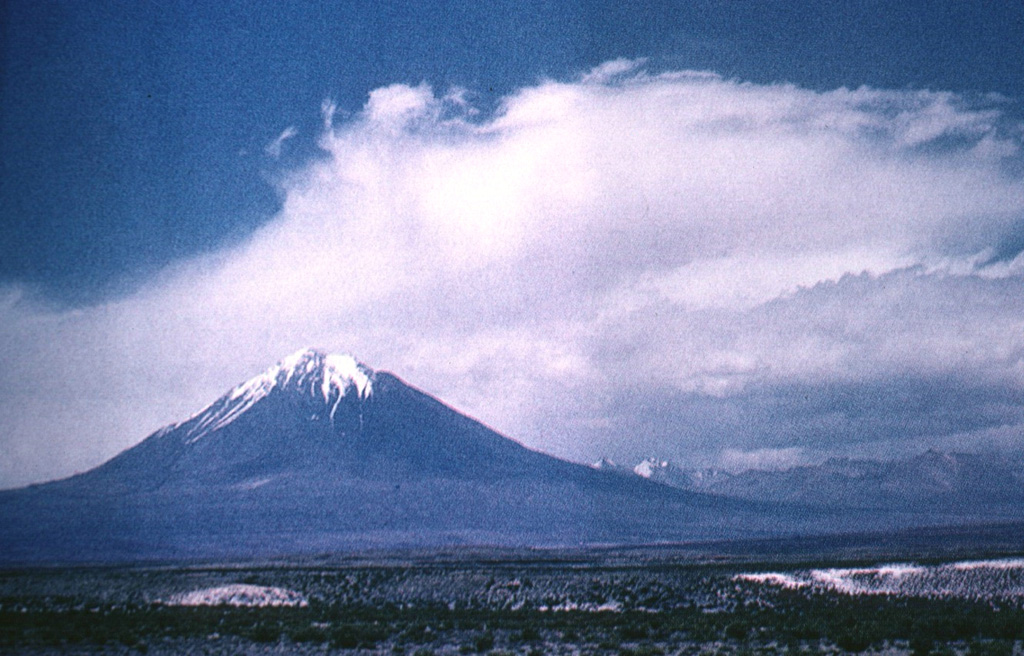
{"x":332,"y":371}
{"x":605,"y":463}
{"x":647,"y":468}
{"x":325,"y":376}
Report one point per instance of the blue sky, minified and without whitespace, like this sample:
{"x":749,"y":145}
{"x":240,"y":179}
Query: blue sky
{"x":814,"y":202}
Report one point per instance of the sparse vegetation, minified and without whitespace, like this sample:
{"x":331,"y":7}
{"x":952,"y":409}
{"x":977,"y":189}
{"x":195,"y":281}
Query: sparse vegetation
{"x":509,"y":607}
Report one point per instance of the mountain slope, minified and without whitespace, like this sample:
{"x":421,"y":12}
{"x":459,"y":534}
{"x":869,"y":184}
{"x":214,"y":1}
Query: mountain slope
{"x":321,"y":453}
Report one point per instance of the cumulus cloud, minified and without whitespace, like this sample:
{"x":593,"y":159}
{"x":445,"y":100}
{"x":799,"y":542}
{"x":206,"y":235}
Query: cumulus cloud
{"x":623,"y":264}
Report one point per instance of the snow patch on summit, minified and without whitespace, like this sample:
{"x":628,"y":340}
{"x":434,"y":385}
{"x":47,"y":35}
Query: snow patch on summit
{"x":326,"y":376}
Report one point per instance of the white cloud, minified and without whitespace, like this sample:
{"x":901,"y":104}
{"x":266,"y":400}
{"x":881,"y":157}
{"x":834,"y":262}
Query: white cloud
{"x":763,"y":459}
{"x":678,"y":238}
{"x":396,"y":105}
{"x":275,"y":147}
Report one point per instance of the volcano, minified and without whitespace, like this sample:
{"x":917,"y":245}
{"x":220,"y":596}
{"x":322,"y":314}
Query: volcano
{"x":321,"y":454}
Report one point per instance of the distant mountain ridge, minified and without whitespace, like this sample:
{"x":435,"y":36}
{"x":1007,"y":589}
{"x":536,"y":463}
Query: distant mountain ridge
{"x":985,"y":486}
